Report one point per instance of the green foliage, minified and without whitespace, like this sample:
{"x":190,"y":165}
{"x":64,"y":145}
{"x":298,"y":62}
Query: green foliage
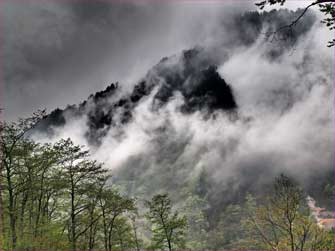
{"x":229,"y":231}
{"x":168,"y":228}
{"x":197,"y":234}
{"x":124,"y":238}
{"x":321,"y":239}
{"x":112,"y":206}
{"x":51,"y":195}
{"x":284,"y":222}
{"x":54,"y":197}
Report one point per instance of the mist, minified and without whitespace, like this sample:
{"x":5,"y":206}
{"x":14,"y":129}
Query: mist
{"x":282,"y":89}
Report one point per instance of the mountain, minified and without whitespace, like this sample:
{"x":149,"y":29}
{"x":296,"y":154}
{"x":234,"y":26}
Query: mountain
{"x":193,"y":74}
{"x":181,"y":128}
{"x":194,"y":77}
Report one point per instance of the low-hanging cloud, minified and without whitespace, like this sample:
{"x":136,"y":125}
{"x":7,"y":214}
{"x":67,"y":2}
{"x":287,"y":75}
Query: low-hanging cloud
{"x":283,"y":122}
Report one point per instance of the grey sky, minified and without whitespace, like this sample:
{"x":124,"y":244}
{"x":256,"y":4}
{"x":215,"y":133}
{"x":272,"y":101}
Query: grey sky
{"x":56,"y":53}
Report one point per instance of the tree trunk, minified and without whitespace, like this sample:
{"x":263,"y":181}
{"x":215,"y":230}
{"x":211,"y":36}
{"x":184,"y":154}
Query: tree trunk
{"x":73,"y":219}
{"x":92,"y":231}
{"x":21,"y":224}
{"x":105,"y":229}
{"x":39,"y":204}
{"x":110,"y":238}
{"x":291,"y":236}
{"x":12,"y":219}
{"x":170,"y":246}
{"x":166,"y":233}
{"x":2,"y":229}
{"x":110,"y":232}
{"x":135,"y":235}
{"x":2,"y":235}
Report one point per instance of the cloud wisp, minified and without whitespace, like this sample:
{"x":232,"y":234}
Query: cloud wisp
{"x":283,"y":120}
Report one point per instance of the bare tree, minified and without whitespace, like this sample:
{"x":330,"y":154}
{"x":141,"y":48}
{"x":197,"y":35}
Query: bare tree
{"x":327,"y":7}
{"x":284,"y":221}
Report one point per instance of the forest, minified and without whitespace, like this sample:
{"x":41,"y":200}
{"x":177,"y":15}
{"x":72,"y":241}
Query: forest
{"x":55,"y":197}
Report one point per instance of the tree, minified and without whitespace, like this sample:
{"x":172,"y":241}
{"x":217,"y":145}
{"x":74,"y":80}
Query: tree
{"x":55,"y":197}
{"x":283,"y":221}
{"x":113,"y":206}
{"x":194,"y":209}
{"x":327,"y":7}
{"x":168,"y":228}
{"x":124,"y":238}
{"x":321,"y":239}
{"x":36,"y":191}
{"x":92,"y":214}
{"x":12,"y":143}
{"x":133,"y":217}
{"x":29,"y":187}
{"x":79,"y":173}
{"x":229,"y":231}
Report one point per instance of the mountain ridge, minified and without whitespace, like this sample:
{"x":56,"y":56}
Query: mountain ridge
{"x":198,"y":81}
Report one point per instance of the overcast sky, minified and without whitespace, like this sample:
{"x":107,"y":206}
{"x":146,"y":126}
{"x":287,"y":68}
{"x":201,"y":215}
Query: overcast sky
{"x":56,"y":53}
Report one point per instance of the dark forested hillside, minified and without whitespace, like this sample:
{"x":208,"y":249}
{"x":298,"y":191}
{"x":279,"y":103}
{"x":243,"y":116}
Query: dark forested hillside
{"x":195,"y":77}
{"x":193,"y":74}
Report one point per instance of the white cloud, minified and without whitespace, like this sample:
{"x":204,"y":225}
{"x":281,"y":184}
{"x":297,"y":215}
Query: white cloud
{"x":284,"y":124}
